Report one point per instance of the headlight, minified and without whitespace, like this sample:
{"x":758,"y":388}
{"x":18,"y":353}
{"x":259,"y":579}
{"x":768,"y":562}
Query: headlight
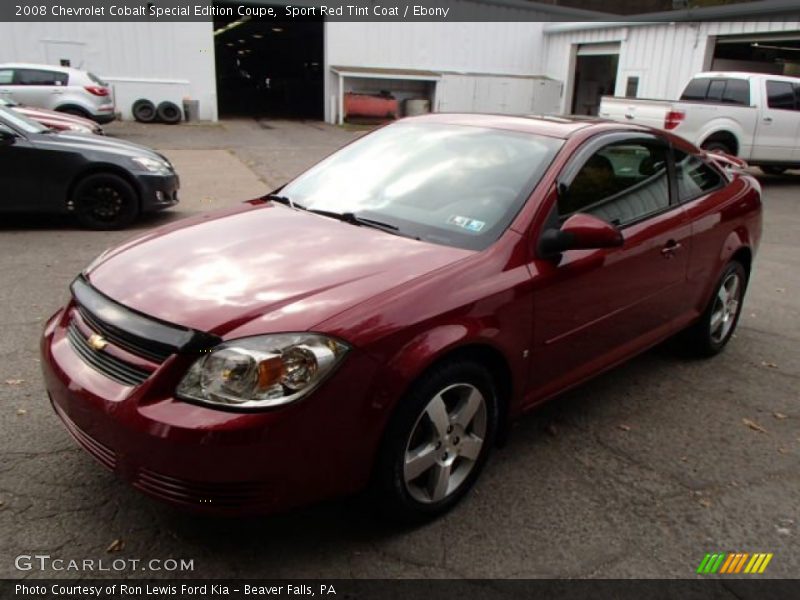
{"x":153,"y":165}
{"x":263,"y":371}
{"x":78,"y":128}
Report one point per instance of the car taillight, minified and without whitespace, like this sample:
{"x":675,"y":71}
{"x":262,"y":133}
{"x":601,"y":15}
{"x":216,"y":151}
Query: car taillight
{"x":673,"y":119}
{"x":96,"y":90}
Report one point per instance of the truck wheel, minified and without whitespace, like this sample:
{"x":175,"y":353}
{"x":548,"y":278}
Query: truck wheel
{"x":716,"y":146}
{"x":105,"y":201}
{"x":771,"y":170}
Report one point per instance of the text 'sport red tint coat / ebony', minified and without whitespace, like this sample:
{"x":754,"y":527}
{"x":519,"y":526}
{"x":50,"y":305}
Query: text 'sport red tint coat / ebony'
{"x":395,"y":298}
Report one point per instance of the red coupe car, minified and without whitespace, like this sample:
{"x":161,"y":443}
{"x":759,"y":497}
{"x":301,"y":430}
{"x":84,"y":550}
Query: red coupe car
{"x":379,"y":320}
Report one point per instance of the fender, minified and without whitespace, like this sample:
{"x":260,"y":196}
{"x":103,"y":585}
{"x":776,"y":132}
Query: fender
{"x":737,"y":239}
{"x":424,"y":349}
{"x":726,"y":126}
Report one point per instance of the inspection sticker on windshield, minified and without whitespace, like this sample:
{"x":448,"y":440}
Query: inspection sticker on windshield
{"x":466,"y":223}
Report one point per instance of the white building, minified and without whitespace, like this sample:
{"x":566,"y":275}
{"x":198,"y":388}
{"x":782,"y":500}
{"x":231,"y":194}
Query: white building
{"x":302,"y":68}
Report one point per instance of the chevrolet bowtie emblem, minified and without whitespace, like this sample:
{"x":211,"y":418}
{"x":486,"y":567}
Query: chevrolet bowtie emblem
{"x":97,"y":342}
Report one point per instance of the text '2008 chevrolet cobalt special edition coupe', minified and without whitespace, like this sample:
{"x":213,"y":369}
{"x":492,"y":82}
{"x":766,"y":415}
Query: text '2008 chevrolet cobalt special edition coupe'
{"x":377,"y":321}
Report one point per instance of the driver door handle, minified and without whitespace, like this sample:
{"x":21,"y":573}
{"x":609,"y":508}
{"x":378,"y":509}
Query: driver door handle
{"x":670,"y":248}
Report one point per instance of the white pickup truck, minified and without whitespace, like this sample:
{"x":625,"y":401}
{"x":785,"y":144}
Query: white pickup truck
{"x":750,"y":115}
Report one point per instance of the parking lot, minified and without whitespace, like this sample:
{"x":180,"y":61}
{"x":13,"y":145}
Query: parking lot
{"x":637,"y":474}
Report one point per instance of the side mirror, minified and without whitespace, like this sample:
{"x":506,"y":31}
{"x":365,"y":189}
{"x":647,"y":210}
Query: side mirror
{"x":7,"y":138}
{"x":580,"y":232}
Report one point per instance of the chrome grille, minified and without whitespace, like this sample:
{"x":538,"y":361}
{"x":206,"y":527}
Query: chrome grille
{"x":104,"y":362}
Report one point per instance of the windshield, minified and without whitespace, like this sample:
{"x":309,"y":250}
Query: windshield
{"x":20,"y":122}
{"x":448,"y":184}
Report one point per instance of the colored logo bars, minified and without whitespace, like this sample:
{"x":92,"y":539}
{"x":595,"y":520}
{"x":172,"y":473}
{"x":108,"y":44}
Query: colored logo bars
{"x":734,"y":562}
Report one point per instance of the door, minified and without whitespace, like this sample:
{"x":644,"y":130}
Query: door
{"x":595,"y":76}
{"x":20,"y":178}
{"x":779,"y":123}
{"x":39,"y":87}
{"x":594,"y":307}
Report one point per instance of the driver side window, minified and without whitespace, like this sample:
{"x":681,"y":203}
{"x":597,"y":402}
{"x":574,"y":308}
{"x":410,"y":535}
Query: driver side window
{"x":621,"y":183}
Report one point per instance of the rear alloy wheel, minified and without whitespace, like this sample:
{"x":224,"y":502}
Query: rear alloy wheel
{"x":712,"y":332}
{"x":437,"y":442}
{"x":105,"y":201}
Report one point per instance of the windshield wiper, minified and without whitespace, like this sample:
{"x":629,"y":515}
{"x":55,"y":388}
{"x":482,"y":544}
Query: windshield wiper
{"x":283,"y":200}
{"x":353,"y":219}
{"x":346,"y":217}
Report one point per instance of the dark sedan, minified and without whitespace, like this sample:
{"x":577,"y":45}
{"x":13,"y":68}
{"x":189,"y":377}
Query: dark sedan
{"x":105,"y":183}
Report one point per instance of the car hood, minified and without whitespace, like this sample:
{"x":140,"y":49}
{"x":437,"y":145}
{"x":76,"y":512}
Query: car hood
{"x":262,"y":265}
{"x":52,"y":116}
{"x":93,"y":143}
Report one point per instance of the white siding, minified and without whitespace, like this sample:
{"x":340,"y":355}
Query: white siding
{"x":509,"y":95}
{"x":663,"y":55}
{"x":507,"y":48}
{"x":500,"y":48}
{"x":157,"y":61}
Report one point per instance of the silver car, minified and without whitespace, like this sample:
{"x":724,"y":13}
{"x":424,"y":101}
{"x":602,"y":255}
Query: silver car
{"x":63,"y":89}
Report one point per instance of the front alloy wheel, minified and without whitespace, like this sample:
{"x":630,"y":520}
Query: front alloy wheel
{"x":445,"y":443}
{"x":437,"y":441}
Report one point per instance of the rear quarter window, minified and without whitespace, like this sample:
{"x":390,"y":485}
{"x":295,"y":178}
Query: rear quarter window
{"x":696,"y":89}
{"x":695,"y":177}
{"x":6,"y":76}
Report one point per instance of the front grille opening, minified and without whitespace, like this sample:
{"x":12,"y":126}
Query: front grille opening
{"x":148,"y":349}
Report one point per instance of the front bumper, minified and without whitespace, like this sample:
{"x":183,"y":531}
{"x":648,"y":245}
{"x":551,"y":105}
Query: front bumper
{"x":158,"y":191}
{"x":213,"y":461}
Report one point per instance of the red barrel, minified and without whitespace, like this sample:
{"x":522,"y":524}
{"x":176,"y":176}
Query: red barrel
{"x":370,"y":106}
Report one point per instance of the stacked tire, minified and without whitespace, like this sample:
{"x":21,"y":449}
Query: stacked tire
{"x":167,"y":112}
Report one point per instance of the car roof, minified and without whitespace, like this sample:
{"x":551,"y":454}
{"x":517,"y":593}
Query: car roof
{"x":742,"y":75}
{"x":56,"y":68}
{"x":556,"y":126}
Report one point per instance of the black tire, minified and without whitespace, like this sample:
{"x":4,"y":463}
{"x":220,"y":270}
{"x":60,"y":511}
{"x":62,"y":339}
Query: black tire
{"x":772,"y":170}
{"x":144,"y":111}
{"x":717,"y":146}
{"x":75,"y":111}
{"x":705,"y":339}
{"x":410,"y":427}
{"x":169,"y":113}
{"x":105,"y":201}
